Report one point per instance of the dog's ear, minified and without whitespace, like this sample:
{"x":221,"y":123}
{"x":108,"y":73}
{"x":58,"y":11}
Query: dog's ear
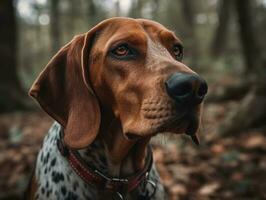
{"x":63,"y":90}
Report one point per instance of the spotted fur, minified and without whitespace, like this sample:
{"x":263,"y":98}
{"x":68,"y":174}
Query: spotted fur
{"x":56,"y":179}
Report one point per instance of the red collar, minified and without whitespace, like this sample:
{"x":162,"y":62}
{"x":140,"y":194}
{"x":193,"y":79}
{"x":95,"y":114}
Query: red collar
{"x":99,"y":180}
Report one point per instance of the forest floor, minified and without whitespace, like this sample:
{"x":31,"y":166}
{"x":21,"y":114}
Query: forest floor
{"x":232,"y":167}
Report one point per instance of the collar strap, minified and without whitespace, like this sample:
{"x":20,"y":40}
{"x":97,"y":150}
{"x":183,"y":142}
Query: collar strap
{"x":98,"y":179}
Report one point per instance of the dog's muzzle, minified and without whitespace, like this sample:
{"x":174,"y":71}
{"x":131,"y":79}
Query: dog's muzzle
{"x":187,"y":91}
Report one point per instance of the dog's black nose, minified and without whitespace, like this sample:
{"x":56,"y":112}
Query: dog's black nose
{"x":186,"y":88}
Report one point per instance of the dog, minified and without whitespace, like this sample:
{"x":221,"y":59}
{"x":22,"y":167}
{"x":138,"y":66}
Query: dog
{"x":110,"y":90}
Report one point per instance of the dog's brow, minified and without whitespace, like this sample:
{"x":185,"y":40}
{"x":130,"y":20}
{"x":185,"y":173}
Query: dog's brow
{"x":169,"y":36}
{"x":130,"y":37}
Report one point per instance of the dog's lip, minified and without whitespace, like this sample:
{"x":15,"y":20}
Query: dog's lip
{"x":187,"y":123}
{"x":170,"y":126}
{"x":192,"y":125}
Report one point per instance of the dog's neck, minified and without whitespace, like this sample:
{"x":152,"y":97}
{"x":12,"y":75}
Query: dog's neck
{"x":113,"y":154}
{"x":98,"y":156}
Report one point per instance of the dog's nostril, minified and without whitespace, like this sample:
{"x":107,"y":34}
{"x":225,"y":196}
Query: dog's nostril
{"x":132,"y":136}
{"x":203,"y":89}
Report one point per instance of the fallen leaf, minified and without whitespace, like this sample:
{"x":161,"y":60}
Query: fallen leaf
{"x":209,"y":189}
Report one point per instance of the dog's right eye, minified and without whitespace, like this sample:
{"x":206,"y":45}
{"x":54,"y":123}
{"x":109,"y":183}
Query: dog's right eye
{"x":122,"y":51}
{"x":178,"y":52}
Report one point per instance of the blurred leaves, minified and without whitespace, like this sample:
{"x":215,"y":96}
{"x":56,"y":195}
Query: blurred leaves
{"x":20,"y":137}
{"x":15,"y":135}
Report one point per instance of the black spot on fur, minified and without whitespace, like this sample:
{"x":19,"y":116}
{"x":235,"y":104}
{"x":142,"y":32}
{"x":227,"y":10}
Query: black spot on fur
{"x":57,"y":194}
{"x":45,"y":170}
{"x":36,"y":197}
{"x":53,"y":162}
{"x":71,"y":196}
{"x":57,"y":177}
{"x":41,"y":156}
{"x":47,"y":184}
{"x":53,"y":140}
{"x":75,"y":185}
{"x":63,"y":190}
{"x":46,"y":158}
{"x":48,"y":193}
{"x":42,"y":190}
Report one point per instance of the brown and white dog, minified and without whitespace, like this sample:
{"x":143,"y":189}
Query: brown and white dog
{"x":112,"y":89}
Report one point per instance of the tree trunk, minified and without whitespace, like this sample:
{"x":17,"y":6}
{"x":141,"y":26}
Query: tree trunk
{"x":189,"y":18}
{"x":251,"y":51}
{"x":92,"y":13}
{"x":117,"y":8}
{"x":73,"y":14}
{"x":219,"y":41}
{"x":8,"y":43}
{"x":155,"y":9}
{"x":55,"y":26}
{"x":12,"y":96}
{"x":136,"y":9}
{"x":188,"y":12}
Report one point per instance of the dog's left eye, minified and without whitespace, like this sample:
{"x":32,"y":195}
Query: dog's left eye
{"x":121,"y":51}
{"x":178,"y":51}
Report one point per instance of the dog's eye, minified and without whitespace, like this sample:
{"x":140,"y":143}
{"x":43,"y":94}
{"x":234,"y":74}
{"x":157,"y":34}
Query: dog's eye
{"x":121,"y":51}
{"x":178,"y":51}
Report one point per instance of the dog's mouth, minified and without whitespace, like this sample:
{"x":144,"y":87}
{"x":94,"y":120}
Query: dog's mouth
{"x":187,"y":124}
{"x":159,"y":118}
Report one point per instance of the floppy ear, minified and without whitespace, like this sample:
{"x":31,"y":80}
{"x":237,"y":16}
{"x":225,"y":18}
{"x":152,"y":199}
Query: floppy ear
{"x":63,"y":90}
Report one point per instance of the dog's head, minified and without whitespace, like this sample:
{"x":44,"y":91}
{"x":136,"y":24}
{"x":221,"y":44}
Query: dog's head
{"x":131,"y":67}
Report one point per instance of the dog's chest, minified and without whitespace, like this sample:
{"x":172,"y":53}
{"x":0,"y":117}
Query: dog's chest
{"x":57,"y":180}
